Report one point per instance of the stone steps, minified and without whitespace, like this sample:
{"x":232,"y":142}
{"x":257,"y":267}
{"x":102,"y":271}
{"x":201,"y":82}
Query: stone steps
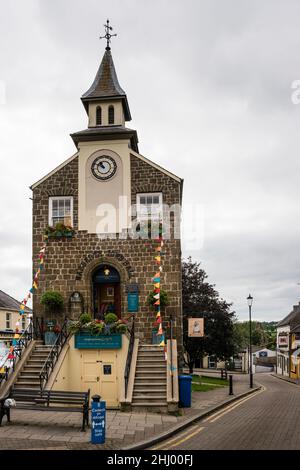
{"x":155,"y":407}
{"x":145,"y":385}
{"x":29,"y":376}
{"x":150,"y":384}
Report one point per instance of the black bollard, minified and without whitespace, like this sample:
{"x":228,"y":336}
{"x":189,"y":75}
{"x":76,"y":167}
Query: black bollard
{"x":222,"y":374}
{"x":230,"y":385}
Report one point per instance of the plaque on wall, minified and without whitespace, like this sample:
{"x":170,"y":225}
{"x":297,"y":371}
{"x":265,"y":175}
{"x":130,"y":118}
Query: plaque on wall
{"x":76,"y":297}
{"x":133,"y":301}
{"x":133,"y":287}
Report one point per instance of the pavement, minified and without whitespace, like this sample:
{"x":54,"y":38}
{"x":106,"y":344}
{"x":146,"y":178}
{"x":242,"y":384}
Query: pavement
{"x":61,"y":430}
{"x":269,"y":419}
{"x":288,"y":379}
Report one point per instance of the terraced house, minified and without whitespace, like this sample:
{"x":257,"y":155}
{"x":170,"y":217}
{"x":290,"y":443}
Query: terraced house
{"x":98,"y":208}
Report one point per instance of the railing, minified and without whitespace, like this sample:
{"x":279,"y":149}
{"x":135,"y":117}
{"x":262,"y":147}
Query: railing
{"x":12,"y":358}
{"x":54,"y":354}
{"x":171,"y":326}
{"x":129,"y":357}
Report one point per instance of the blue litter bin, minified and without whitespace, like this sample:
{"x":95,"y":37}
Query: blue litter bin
{"x":185,"y":391}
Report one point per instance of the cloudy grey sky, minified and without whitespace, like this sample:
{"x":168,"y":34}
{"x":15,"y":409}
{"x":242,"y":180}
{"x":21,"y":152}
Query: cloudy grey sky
{"x":209,"y":86}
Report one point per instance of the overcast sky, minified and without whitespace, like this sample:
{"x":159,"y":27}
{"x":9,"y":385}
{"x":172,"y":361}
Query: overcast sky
{"x":209,"y":87}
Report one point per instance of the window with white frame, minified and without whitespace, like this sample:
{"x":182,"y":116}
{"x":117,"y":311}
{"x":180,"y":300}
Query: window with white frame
{"x":23,"y":326}
{"x":149,"y":206}
{"x":8,"y":321}
{"x":61,"y":210}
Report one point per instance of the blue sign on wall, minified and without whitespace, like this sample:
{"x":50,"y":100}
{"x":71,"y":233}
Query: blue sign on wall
{"x":263,"y":354}
{"x":133,"y":301}
{"x":87,"y":341}
{"x":98,"y":422}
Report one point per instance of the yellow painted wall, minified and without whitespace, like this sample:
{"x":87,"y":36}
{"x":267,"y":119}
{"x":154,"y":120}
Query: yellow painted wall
{"x":14,"y":316}
{"x":93,"y":192}
{"x":83,"y":369}
{"x":119,"y":115}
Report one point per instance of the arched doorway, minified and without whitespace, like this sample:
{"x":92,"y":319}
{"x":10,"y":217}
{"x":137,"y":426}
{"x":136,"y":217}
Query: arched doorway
{"x":106,"y":291}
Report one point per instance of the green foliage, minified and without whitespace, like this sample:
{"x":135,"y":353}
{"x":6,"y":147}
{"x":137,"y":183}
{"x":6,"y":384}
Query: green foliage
{"x":121,"y":328}
{"x":164,"y":298}
{"x":60,"y":230}
{"x":203,"y":383}
{"x":111,"y":324}
{"x":97,"y":328}
{"x":263,"y":334}
{"x":110,"y":318}
{"x":85,"y":318}
{"x":200,"y":299}
{"x":53,"y":301}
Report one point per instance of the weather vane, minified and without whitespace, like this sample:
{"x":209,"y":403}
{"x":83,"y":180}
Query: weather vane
{"x":107,"y":35}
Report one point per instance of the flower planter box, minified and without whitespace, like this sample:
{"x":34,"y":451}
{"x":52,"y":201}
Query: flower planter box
{"x":61,"y":235}
{"x":88,"y":341}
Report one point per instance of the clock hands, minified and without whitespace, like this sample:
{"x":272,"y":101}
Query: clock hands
{"x":104,"y":167}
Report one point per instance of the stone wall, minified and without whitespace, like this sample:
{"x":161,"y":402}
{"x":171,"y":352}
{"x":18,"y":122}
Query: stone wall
{"x":69,"y":263}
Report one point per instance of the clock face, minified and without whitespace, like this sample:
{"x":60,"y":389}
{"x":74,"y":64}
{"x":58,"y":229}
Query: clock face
{"x":104,"y":167}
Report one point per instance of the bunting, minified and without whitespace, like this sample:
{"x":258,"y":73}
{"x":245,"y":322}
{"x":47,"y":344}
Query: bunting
{"x":35,"y":278}
{"x":11,"y":354}
{"x":157,"y":287}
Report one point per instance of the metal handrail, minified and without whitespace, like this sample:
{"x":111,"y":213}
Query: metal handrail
{"x":171,"y":355}
{"x":9,"y":365}
{"x":129,"y":357}
{"x":53,"y":355}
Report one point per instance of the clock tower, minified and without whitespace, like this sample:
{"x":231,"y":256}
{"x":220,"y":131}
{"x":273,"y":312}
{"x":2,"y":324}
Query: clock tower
{"x":107,"y":174}
{"x":104,"y":151}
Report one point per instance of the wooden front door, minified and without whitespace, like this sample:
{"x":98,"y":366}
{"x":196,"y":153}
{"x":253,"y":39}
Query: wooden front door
{"x":98,"y":372}
{"x":107,"y":297}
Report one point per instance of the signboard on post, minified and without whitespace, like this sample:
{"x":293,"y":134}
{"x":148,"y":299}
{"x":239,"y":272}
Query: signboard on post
{"x":98,"y":420}
{"x":195,"y":327}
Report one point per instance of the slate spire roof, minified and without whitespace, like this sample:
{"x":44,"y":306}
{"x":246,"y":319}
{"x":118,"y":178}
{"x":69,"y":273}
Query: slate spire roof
{"x":106,"y":85}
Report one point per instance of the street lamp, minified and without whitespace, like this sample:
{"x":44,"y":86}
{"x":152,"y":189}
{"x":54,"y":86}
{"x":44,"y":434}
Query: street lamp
{"x":250,"y":301}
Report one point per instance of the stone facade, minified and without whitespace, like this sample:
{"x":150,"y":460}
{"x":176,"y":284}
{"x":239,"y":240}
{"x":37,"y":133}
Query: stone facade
{"x":70,"y":262}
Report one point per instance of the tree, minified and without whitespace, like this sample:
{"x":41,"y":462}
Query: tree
{"x":200,"y":299}
{"x":263,"y":334}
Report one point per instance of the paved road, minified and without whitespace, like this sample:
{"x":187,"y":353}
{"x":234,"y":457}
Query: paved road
{"x":269,"y":419}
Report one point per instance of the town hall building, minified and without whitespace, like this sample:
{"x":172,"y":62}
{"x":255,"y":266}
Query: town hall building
{"x":107,"y":196}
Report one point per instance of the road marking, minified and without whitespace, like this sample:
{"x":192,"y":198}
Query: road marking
{"x":184,"y":439}
{"x":178,"y":440}
{"x":221,"y":413}
{"x":174,"y":439}
{"x":228,"y":407}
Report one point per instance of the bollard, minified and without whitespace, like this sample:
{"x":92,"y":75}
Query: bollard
{"x":98,"y":420}
{"x":222,"y":374}
{"x":230,"y":385}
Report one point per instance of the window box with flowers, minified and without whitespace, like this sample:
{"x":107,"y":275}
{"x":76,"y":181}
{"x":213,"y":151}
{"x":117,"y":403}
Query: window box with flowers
{"x":60,"y":231}
{"x":100,"y":334}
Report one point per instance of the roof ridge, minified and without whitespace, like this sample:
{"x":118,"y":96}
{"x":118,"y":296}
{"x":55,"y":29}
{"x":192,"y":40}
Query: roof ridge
{"x":12,"y":298}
